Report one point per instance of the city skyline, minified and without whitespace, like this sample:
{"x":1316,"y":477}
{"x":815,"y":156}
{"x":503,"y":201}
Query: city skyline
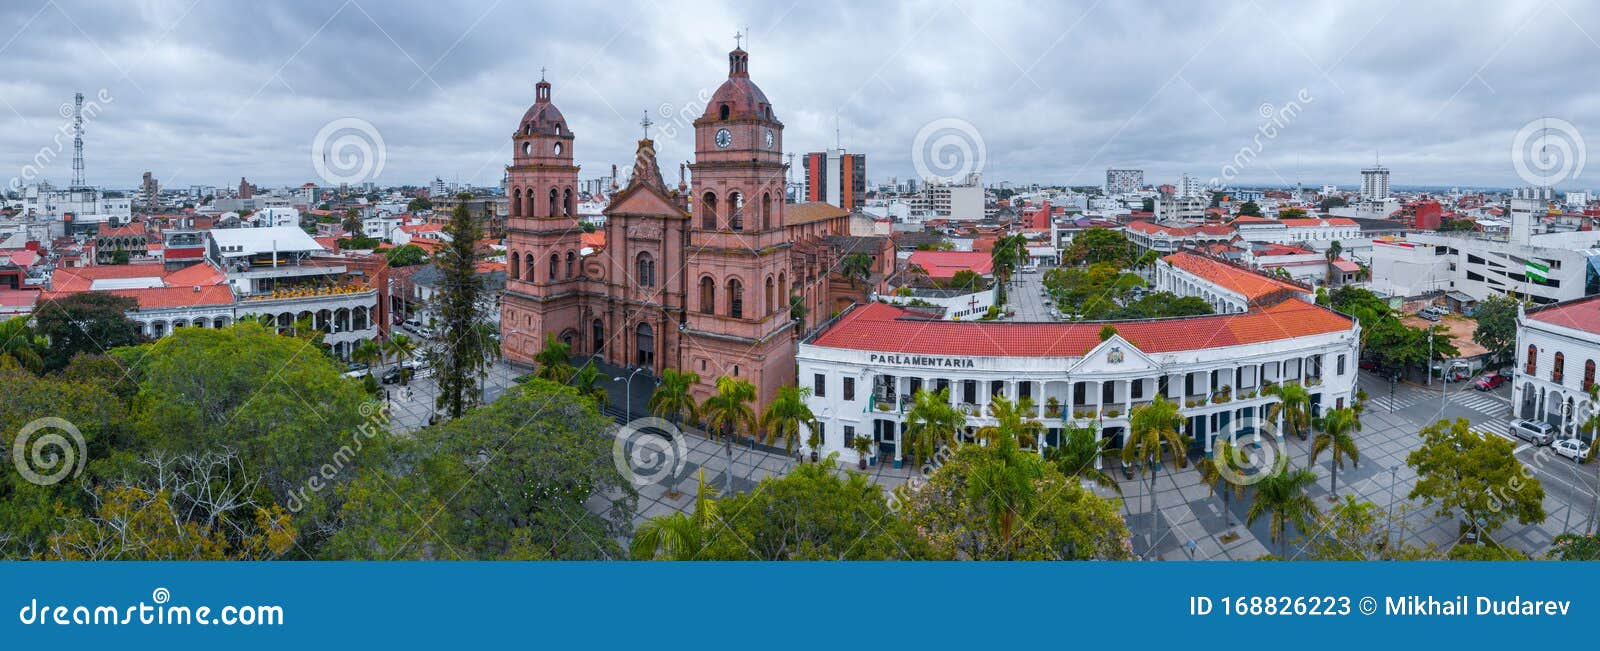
{"x":245,"y":92}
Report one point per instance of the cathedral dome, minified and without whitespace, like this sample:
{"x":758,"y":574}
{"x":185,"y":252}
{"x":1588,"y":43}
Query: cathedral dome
{"x":543,"y":117}
{"x":738,"y":97}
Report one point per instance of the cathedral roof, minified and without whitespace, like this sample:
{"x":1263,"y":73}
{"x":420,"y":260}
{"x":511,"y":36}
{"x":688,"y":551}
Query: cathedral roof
{"x":742,"y":97}
{"x":645,"y":168}
{"x":542,"y":117}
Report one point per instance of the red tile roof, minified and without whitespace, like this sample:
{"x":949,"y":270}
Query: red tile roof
{"x":1311,"y":222}
{"x":78,"y":279}
{"x":156,"y":298}
{"x":200,"y":273}
{"x":1247,"y":283}
{"x":1581,"y":314}
{"x":885,"y":328}
{"x":945,"y":264}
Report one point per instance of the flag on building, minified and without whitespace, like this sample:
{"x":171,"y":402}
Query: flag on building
{"x":1536,"y":270}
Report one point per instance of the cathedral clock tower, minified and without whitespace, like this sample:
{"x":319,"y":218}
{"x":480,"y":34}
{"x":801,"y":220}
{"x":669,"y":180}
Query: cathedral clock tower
{"x":737,"y":321}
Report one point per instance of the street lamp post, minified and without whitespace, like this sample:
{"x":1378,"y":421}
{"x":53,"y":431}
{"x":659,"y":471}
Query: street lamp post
{"x":627,"y":389}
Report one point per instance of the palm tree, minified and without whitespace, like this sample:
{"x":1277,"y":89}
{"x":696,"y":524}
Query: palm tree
{"x":1076,"y":455}
{"x":1334,"y":250}
{"x":402,"y":349}
{"x":932,"y":422}
{"x":678,"y":536}
{"x":727,"y":411}
{"x":672,"y":399}
{"x":18,"y":342}
{"x":1152,"y":434}
{"x":1003,"y":483}
{"x":1293,"y":404}
{"x":1218,"y":468}
{"x":1335,"y":437}
{"x":1014,"y":417}
{"x":1283,"y":496}
{"x":785,"y":415}
{"x":555,"y":361}
{"x":366,"y":353}
{"x":588,"y":382}
{"x":856,"y":267}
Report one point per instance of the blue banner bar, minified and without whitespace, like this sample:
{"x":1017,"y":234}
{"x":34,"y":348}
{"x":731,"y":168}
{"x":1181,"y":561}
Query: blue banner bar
{"x":795,"y":605}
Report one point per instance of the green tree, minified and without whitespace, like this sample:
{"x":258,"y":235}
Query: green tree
{"x":418,"y":204}
{"x":1336,"y":439}
{"x":406,"y":255}
{"x":352,"y":222}
{"x":461,"y":358}
{"x":18,"y":342}
{"x":1153,"y":435}
{"x":1497,"y":326}
{"x":529,"y":476}
{"x":785,"y":415}
{"x":672,"y":398}
{"x":1332,"y":202}
{"x":1293,"y":407}
{"x":1249,"y":209}
{"x":816,"y":512}
{"x":1294,"y":213}
{"x":856,"y":267}
{"x":1282,"y":497}
{"x":680,"y":536}
{"x":401,"y":349}
{"x":726,"y":413}
{"x":1475,"y":474}
{"x":589,"y":382}
{"x":367,"y":353}
{"x":932,"y":423}
{"x":1097,"y":245}
{"x":85,"y":322}
{"x":1080,"y":448}
{"x":554,"y":360}
{"x":1355,"y":530}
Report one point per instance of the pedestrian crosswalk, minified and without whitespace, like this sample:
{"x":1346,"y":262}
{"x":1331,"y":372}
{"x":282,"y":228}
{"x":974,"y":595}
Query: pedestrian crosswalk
{"x":1484,"y":403}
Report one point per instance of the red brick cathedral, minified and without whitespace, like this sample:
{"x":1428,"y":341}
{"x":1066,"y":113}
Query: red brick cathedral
{"x":697,"y":280}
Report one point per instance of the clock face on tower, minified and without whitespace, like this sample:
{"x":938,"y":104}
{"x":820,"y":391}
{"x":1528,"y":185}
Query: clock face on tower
{"x":769,"y":139}
{"x":724,"y":138}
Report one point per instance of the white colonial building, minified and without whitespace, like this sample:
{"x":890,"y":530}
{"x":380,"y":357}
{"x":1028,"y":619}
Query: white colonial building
{"x":1557,"y":349}
{"x":864,"y":368}
{"x":1228,"y":288}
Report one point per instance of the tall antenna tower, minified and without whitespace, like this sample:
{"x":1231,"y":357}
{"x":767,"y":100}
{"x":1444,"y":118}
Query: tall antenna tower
{"x":77,"y":141}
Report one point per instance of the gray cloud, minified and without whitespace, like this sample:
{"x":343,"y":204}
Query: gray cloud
{"x":205,"y":92}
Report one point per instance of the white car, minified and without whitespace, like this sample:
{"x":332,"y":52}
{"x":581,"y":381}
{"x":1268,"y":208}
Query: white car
{"x":1573,"y":449}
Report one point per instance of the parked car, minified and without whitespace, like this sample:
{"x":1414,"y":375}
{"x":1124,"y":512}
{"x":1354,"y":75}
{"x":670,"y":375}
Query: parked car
{"x":1533,"y":431}
{"x":1573,"y":449}
{"x":1490,"y":381}
{"x":1428,"y":315}
{"x":1367,"y":365}
{"x":393,"y":375}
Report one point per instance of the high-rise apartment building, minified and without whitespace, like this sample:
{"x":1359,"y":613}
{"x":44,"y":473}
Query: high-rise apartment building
{"x":836,"y":177}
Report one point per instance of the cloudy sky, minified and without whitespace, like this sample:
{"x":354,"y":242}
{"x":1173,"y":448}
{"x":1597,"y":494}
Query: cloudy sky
{"x":207,"y":91}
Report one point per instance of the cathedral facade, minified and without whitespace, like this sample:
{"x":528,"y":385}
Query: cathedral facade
{"x":717,"y":276}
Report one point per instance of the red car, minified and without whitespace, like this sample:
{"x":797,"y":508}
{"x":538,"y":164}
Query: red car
{"x":1490,"y":382}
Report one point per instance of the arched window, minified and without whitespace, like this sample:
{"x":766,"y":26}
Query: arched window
{"x":645,"y":346}
{"x":516,"y":266}
{"x":1558,"y":369}
{"x":766,"y":210}
{"x":1588,"y":374}
{"x":1533,"y":360}
{"x":572,"y":264}
{"x":528,"y":266}
{"x":566,"y":202}
{"x":735,"y":298}
{"x":598,"y":332}
{"x":555,"y":267}
{"x":722,"y":112}
{"x":770,"y":305}
{"x":555,"y":199}
{"x":708,"y":211}
{"x":708,"y":295}
{"x":645,"y":275}
{"x":783,"y":288}
{"x":516,"y":202}
{"x":736,"y":211}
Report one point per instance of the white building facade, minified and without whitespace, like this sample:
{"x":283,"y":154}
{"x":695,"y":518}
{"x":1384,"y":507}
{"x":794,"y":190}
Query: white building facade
{"x":1557,"y":349}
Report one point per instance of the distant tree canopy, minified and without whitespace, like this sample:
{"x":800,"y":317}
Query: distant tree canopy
{"x":1097,"y":245}
{"x":1249,"y":209}
{"x":1330,"y":203}
{"x":1497,"y":325}
{"x":85,"y":322}
{"x":406,"y":255}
